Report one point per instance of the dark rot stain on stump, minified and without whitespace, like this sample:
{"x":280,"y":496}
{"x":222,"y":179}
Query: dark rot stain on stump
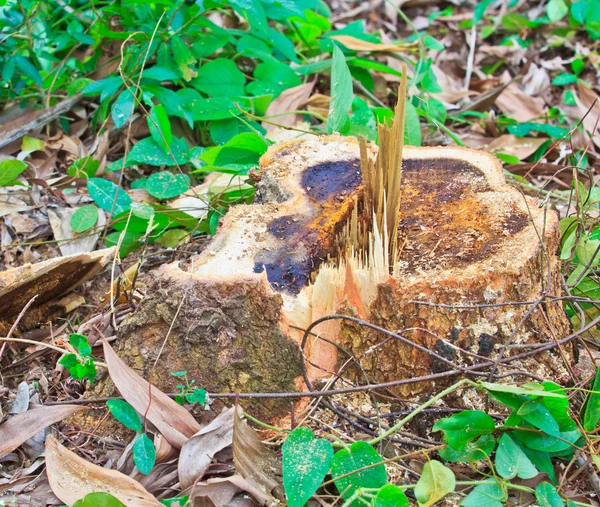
{"x":331,"y":179}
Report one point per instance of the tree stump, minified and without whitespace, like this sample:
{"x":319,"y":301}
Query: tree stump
{"x":466,"y":238}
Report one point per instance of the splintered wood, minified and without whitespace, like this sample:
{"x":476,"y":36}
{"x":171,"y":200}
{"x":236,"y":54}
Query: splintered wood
{"x":448,"y":248}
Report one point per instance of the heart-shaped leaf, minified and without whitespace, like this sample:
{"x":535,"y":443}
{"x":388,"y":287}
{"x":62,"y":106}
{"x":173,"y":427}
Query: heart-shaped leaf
{"x":84,"y":218}
{"x":358,"y":456}
{"x":390,"y":496}
{"x":488,"y":494}
{"x":511,"y":461}
{"x":165,"y":185}
{"x":435,"y":483}
{"x":108,"y":195}
{"x":464,"y":427}
{"x":306,"y":462}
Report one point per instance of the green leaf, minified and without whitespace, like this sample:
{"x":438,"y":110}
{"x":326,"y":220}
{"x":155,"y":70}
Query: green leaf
{"x":79,"y":370}
{"x":108,"y":196}
{"x":10,"y":169}
{"x":537,"y":414}
{"x":306,"y":462}
{"x":198,"y":396}
{"x":272,"y":78}
{"x":488,"y":494}
{"x":144,"y":453}
{"x":341,"y":93}
{"x":480,"y":9}
{"x":173,"y":238}
{"x":166,"y":185}
{"x":180,"y":501}
{"x":160,"y":127}
{"x":80,"y":343}
{"x":591,"y":414}
{"x":85,"y":167}
{"x":511,"y":461}
{"x":481,"y":448}
{"x":131,"y":241}
{"x":183,"y":56}
{"x":220,"y":78}
{"x":142,"y":210}
{"x":147,"y":151}
{"x":358,"y":455}
{"x":245,"y":148}
{"x":464,"y":427}
{"x":564,"y":79}
{"x":98,"y":500}
{"x":123,"y":108}
{"x":556,"y":10}
{"x":69,"y":361}
{"x":431,"y":43}
{"x":435,"y":483}
{"x":159,"y":74}
{"x":31,"y":144}
{"x":526,"y":389}
{"x":390,"y":496}
{"x":547,"y":496}
{"x":84,"y":218}
{"x":105,"y":87}
{"x":412,"y":129}
{"x":27,"y":68}
{"x":125,"y":414}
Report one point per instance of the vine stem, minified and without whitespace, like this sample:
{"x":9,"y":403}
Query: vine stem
{"x":422,"y":407}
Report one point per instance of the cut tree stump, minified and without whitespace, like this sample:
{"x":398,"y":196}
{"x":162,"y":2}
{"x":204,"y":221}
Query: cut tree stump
{"x":236,"y":312}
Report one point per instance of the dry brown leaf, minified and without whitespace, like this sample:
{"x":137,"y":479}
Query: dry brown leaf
{"x":520,"y":147}
{"x":518,"y":105}
{"x":254,"y":461}
{"x":72,"y":478}
{"x":197,"y":453}
{"x":362,"y":45}
{"x":289,"y":100}
{"x":171,"y":419}
{"x":23,"y":426}
{"x":221,"y":491}
{"x":587,"y":100}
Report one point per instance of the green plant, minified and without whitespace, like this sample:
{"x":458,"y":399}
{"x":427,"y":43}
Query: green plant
{"x":144,"y":453}
{"x":188,"y":393}
{"x":79,"y":364}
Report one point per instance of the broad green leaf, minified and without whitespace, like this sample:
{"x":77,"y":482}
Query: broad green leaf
{"x":27,"y":68}
{"x":30,"y":144}
{"x":464,"y":427}
{"x":358,"y":455}
{"x":556,"y":10}
{"x":180,"y":501}
{"x":564,"y":79}
{"x":131,"y":241}
{"x":272,"y":78}
{"x":144,"y":453}
{"x":166,"y":185}
{"x":108,"y":196}
{"x":479,"y":449}
{"x":591,"y":414}
{"x":525,"y":389}
{"x":488,"y":494}
{"x":547,"y":496}
{"x":159,"y":74}
{"x":548,"y":443}
{"x":123,"y":108}
{"x":80,"y":343}
{"x":341,"y":93}
{"x":432,"y":43}
{"x":85,"y":167}
{"x":412,"y":129}
{"x":306,"y":462}
{"x":98,"y":500}
{"x":142,"y":210}
{"x":435,"y":483}
{"x":390,"y":496}
{"x":511,"y":461}
{"x":160,"y":127}
{"x":542,"y":461}
{"x":125,"y":414}
{"x":214,"y":108}
{"x":208,"y":44}
{"x":245,"y":148}
{"x":220,"y":78}
{"x":147,"y":151}
{"x":537,"y":414}
{"x":107,"y":87}
{"x":173,"y":238}
{"x":184,"y":57}
{"x":480,"y":9}
{"x":84,"y":218}
{"x":10,"y":169}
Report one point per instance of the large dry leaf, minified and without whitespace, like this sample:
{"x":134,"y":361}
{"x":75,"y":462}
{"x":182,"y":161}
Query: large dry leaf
{"x":254,"y":461}
{"x":222,"y":490}
{"x":589,"y":101}
{"x":72,"y":478}
{"x":289,"y":100}
{"x":518,"y":105}
{"x":171,"y":419}
{"x":520,"y":147}
{"x":198,"y":452}
{"x":23,"y":426}
{"x":362,"y":45}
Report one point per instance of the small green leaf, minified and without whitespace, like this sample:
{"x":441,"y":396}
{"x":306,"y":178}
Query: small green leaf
{"x":125,"y":414}
{"x":27,"y":68}
{"x":123,"y":108}
{"x":547,"y":496}
{"x":306,"y":462}
{"x":198,"y":396}
{"x":148,"y":151}
{"x":341,"y":93}
{"x":84,"y":218}
{"x":173,"y":238}
{"x":481,"y":448}
{"x":435,"y":483}
{"x":537,"y":414}
{"x":431,"y":43}
{"x":464,"y":427}
{"x":166,"y":185}
{"x":179,"y":501}
{"x":390,"y":496}
{"x":69,"y":361}
{"x":488,"y":494}
{"x":30,"y":144}
{"x":130,"y":242}
{"x":160,"y":126}
{"x":85,"y":167}
{"x":358,"y":455}
{"x":98,"y":500}
{"x":108,"y":196}
{"x":220,"y":78}
{"x":10,"y":169}
{"x":556,"y":10}
{"x":591,"y":414}
{"x":511,"y":461}
{"x":564,"y":79}
{"x":144,"y":453}
{"x":80,"y":343}
{"x":142,"y":210}
{"x":412,"y":129}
